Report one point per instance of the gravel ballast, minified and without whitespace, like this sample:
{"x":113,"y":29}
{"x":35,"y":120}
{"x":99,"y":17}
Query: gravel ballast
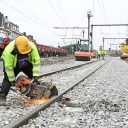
{"x":17,"y":103}
{"x":101,"y":102}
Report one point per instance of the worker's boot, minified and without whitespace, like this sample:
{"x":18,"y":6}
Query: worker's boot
{"x":2,"y":98}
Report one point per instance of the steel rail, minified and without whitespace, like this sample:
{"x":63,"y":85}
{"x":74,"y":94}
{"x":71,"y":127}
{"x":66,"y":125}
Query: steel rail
{"x":33,"y":113}
{"x":61,"y":70}
{"x":54,"y":72}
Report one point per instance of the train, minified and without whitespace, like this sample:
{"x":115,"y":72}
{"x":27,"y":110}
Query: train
{"x":83,"y":51}
{"x":48,"y":51}
{"x":124,"y":49}
{"x":44,"y":50}
{"x":9,"y":31}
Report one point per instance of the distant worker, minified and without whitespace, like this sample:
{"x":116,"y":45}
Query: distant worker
{"x":98,"y":54}
{"x":102,"y":54}
{"x":105,"y":54}
{"x":19,"y":55}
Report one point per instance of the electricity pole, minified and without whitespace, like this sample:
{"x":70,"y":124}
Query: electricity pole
{"x":89,"y":15}
{"x":73,"y":28}
{"x":115,"y":38}
{"x":102,"y":25}
{"x":69,"y":28}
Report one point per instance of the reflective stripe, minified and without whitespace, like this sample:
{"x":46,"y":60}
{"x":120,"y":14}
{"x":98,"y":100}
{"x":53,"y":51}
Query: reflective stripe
{"x":36,"y":72}
{"x":11,"y":77}
{"x":36,"y":65}
{"x":8,"y":69}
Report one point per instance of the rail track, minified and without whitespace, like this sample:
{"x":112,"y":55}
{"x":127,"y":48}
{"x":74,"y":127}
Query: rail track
{"x":53,"y":60}
{"x":54,"y":72}
{"x":61,"y":70}
{"x":23,"y":120}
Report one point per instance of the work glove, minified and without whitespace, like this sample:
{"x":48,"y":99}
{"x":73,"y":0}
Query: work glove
{"x":35,"y":80}
{"x":12,"y":83}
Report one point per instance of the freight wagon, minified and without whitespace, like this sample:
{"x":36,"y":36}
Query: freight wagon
{"x":48,"y":51}
{"x":9,"y":31}
{"x":44,"y":50}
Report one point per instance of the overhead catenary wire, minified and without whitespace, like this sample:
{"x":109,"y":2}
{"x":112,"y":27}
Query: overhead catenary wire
{"x":37,"y":19}
{"x":61,"y":11}
{"x":27,"y":11}
{"x":106,"y":17}
{"x":58,"y":15}
{"x":28,"y":17}
{"x":103,"y":13}
{"x":56,"y":12}
{"x":93,"y":9}
{"x":104,"y":10}
{"x":21,"y":12}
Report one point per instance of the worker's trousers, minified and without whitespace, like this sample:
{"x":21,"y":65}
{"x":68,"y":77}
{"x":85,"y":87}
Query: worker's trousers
{"x":6,"y":84}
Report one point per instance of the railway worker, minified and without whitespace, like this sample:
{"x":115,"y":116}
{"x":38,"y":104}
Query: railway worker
{"x":103,"y":54}
{"x":19,"y":55}
{"x":99,"y":54}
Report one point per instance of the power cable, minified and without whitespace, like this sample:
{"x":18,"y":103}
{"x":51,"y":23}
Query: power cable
{"x":28,"y":17}
{"x":23,"y":14}
{"x":26,"y":11}
{"x":106,"y":17}
{"x":82,"y":20}
{"x":93,"y":7}
{"x":57,"y":14}
{"x":62,"y":11}
{"x":101,"y":11}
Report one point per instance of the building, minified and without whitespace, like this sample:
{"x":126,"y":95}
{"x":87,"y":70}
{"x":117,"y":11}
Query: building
{"x":7,"y":28}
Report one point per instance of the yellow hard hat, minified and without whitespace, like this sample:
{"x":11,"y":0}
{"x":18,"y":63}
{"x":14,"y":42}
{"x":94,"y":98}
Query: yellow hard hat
{"x":22,"y":44}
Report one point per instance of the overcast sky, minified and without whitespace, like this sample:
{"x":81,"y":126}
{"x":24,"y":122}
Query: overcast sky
{"x":38,"y":17}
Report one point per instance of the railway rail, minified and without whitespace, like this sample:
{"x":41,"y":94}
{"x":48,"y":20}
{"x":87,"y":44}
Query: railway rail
{"x":72,"y":67}
{"x":54,"y":60}
{"x":59,"y":70}
{"x":19,"y":122}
